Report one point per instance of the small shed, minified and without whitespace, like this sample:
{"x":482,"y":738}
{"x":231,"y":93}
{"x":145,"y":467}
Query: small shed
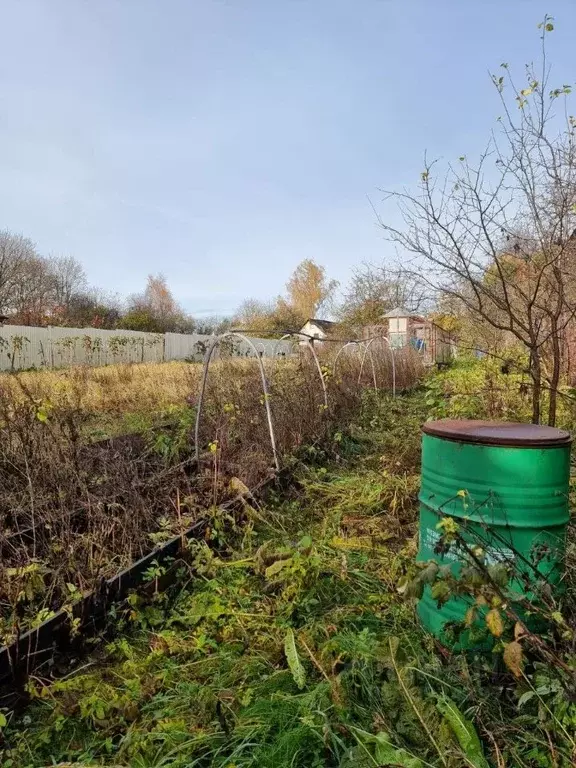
{"x":316,"y":329}
{"x":407,"y":328}
{"x":404,"y":327}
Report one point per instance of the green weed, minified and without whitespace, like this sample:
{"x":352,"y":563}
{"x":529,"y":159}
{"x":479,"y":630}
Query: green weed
{"x":293,"y":647}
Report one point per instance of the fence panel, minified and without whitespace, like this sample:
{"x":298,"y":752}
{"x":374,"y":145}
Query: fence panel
{"x":23,"y":346}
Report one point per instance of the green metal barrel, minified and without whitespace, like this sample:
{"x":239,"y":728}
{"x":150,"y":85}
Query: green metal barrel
{"x":507,"y":486}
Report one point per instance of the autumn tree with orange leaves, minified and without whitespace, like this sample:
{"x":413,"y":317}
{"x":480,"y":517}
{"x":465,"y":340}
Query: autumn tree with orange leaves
{"x":156,"y":310}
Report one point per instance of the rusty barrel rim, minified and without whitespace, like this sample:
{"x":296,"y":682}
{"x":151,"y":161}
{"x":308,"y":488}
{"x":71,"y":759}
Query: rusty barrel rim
{"x":497,"y":433}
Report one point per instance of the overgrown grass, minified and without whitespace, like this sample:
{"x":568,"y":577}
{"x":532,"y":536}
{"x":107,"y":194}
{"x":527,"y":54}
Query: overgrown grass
{"x":113,"y":389}
{"x":268,"y":657}
{"x":73,"y":511}
{"x":288,"y":644}
{"x":288,"y":641}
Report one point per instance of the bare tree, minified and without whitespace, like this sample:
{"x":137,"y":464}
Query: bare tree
{"x":376,"y":289}
{"x":496,"y":235}
{"x":31,"y":299}
{"x":17,"y":257}
{"x":94,"y":308}
{"x":213,"y":324}
{"x":254,"y":315}
{"x":68,"y":280}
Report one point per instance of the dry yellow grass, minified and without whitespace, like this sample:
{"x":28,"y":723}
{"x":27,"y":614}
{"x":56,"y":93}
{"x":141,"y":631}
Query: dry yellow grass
{"x":112,"y":389}
{"x":152,"y":388}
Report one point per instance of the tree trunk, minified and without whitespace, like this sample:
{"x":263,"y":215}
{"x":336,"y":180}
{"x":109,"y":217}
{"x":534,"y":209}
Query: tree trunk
{"x":536,"y":374}
{"x":552,"y":405}
{"x":555,"y":378}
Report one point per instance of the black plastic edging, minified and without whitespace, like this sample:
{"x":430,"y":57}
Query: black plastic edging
{"x":39,"y":645}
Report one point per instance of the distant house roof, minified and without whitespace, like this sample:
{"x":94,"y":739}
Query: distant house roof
{"x":326,"y":325}
{"x":400,"y":312}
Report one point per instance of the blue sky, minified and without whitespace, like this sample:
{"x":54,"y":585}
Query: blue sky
{"x":223,"y":142}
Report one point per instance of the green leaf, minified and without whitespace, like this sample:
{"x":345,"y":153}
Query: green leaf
{"x":440,"y":592}
{"x":549,"y":27}
{"x":298,"y":671}
{"x":380,"y":750}
{"x":464,"y":731}
{"x":276,"y":567}
{"x":525,"y":698}
{"x":387,"y":754}
{"x":499,"y":574}
{"x":3,"y":721}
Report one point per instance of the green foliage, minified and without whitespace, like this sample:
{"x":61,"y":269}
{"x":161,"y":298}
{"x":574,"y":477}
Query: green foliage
{"x":298,"y":671}
{"x":474,"y":389}
{"x":378,"y":750}
{"x":464,"y":731}
{"x":268,"y":659}
{"x":141,"y":319}
{"x":291,"y":645}
{"x":479,"y":389}
{"x":172,"y":441}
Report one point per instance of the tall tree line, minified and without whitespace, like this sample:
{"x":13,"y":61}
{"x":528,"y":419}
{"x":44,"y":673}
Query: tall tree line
{"x":39,"y":290}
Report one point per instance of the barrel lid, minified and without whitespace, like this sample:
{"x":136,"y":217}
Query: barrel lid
{"x":497,"y":433}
